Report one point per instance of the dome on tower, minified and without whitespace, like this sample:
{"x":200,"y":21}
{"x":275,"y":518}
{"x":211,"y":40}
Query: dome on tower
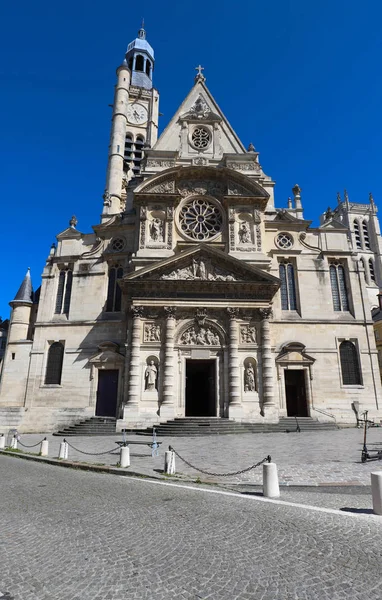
{"x":139,"y":58}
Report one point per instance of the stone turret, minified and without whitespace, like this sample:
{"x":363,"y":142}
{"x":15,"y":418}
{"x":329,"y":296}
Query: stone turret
{"x":21,"y":310}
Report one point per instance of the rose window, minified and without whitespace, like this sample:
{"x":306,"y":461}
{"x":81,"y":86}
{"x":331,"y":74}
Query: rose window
{"x":201,"y":138}
{"x":284,"y":241}
{"x":200,"y":219}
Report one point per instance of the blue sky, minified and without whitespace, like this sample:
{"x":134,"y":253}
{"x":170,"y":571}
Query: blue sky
{"x":299,"y":79}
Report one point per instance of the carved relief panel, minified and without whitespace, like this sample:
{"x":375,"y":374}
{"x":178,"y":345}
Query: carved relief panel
{"x":156,"y":224}
{"x":244,"y":229}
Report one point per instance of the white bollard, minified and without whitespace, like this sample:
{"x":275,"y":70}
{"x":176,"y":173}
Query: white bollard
{"x":64,"y":451}
{"x":44,"y":449}
{"x":376,"y":492}
{"x":270,"y":481}
{"x":124,"y":460}
{"x":2,"y":441}
{"x":169,"y":462}
{"x":14,"y":443}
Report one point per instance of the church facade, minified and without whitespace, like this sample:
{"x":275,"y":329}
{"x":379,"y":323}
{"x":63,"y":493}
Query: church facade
{"x":195,"y":295}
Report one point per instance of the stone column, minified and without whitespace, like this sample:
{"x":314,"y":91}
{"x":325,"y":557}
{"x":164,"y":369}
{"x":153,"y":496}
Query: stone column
{"x":235,"y":408}
{"x":132,"y":400}
{"x":167,"y":408}
{"x":267,"y":360}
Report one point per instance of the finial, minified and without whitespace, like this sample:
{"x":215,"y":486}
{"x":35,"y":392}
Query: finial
{"x":346,"y":196}
{"x":339,"y":200}
{"x":296,"y":190}
{"x":199,"y":76}
{"x":328,"y":214}
{"x":371,"y":199}
{"x":73,"y":222}
{"x":142,"y":32}
{"x":251,"y":148}
{"x":290,"y":205}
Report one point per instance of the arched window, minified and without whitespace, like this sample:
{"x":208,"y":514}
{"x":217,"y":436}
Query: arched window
{"x":357,"y":235}
{"x":139,"y":63}
{"x":128,"y":147}
{"x":114,"y":294}
{"x":148,"y":67}
{"x":339,"y":289}
{"x":54,"y":364}
{"x":138,"y":154}
{"x":365,"y":231}
{"x":288,"y":287}
{"x":371,"y":269}
{"x":351,"y":373}
{"x":64,"y":291}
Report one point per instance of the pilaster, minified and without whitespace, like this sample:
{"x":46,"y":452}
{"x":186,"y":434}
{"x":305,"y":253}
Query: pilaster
{"x":235,"y":408}
{"x":167,"y":408}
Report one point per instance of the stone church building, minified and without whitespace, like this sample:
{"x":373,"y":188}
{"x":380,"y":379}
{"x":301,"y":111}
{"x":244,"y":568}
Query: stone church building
{"x":195,"y":295}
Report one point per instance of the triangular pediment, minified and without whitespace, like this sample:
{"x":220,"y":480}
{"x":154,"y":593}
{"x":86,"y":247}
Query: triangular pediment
{"x":203,"y":264}
{"x":284,"y":215}
{"x":294,"y":354}
{"x":199,"y":107}
{"x":333,"y":224}
{"x":69,"y":234}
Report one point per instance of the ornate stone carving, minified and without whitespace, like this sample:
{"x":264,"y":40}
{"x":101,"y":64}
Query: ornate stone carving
{"x":200,"y":336}
{"x":200,"y":109}
{"x":166,"y":187}
{"x":247,"y":334}
{"x":201,"y":270}
{"x":244,"y":166}
{"x":201,"y":187}
{"x":156,"y":230}
{"x":266,"y":313}
{"x":249,"y":378}
{"x":106,"y":198}
{"x":170,"y":312}
{"x":151,"y":332}
{"x":142,"y":237}
{"x":244,"y":233}
{"x":151,"y":375}
{"x":160,"y":163}
{"x":232,"y":312}
{"x":234,"y":189}
{"x":143,"y":212}
{"x":200,"y":317}
{"x":137,"y":312}
{"x":258,"y":237}
{"x":200,"y":161}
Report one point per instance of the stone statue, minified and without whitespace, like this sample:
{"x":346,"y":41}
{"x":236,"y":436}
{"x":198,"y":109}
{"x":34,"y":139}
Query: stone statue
{"x":244,"y":233}
{"x":249,"y":378}
{"x":151,"y":374}
{"x":156,"y":230}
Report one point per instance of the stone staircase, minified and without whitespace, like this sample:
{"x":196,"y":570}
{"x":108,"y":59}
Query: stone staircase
{"x":93,"y":426}
{"x":191,"y":426}
{"x":215,"y":426}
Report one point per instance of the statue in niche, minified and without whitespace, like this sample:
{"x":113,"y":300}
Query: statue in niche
{"x":156,"y":230}
{"x":152,"y":332}
{"x":244,"y":233}
{"x":151,"y":374}
{"x":249,"y":378}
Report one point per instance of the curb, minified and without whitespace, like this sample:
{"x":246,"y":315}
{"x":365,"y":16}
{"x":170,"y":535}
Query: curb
{"x":187,"y":479}
{"x":82,"y":466}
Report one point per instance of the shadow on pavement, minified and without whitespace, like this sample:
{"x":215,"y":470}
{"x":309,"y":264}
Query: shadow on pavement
{"x":360,"y":511}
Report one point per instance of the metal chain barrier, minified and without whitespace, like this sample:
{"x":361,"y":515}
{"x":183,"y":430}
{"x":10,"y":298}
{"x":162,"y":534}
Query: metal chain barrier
{"x":266,"y":459}
{"x":114,"y":450}
{"x":32,"y":446}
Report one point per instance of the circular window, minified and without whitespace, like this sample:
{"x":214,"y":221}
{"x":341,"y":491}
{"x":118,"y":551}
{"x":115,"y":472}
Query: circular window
{"x":200,"y":219}
{"x":201,"y":138}
{"x":118,"y":244}
{"x":284,"y":241}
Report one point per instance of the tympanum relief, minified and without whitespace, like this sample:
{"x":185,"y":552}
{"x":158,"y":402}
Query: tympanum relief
{"x":199,"y":336}
{"x":201,"y":270}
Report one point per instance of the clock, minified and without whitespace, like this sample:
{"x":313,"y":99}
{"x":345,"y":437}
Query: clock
{"x":136,"y":114}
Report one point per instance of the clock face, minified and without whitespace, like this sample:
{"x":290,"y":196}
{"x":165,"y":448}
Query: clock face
{"x":136,"y":114}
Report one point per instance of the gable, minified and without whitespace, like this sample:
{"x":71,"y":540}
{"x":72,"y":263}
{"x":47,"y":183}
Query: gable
{"x":199,"y":107}
{"x":204,"y":264}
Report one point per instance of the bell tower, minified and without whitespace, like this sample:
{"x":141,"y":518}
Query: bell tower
{"x":134,"y":122}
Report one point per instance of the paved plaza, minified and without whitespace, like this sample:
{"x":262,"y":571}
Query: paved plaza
{"x":303,"y":459}
{"x":72,"y":535}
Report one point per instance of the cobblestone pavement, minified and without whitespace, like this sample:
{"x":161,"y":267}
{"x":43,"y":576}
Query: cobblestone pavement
{"x":71,"y":535}
{"x":314,"y":458}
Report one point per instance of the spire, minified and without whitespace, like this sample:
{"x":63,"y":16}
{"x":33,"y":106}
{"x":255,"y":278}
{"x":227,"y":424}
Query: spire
{"x":142,"y":31}
{"x":139,"y":58}
{"x":25,"y":293}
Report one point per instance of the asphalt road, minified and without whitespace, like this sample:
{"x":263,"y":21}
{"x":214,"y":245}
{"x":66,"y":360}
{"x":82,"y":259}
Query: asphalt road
{"x":72,"y":535}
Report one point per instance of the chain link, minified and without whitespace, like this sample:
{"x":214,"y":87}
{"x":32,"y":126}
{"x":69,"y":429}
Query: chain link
{"x":32,"y":446}
{"x":266,"y":459}
{"x":93,"y":453}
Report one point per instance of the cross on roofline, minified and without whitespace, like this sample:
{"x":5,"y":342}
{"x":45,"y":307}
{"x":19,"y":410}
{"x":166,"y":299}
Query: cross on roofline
{"x":199,"y":69}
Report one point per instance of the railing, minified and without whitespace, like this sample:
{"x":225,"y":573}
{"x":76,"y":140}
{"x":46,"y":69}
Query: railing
{"x":324,"y":412}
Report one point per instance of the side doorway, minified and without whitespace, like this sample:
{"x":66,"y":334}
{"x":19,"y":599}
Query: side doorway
{"x":295,"y":391}
{"x":107,"y":393}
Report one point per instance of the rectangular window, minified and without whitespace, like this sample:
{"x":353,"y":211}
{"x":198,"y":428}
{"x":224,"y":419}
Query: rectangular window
{"x":288,"y":286}
{"x":339,"y":289}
